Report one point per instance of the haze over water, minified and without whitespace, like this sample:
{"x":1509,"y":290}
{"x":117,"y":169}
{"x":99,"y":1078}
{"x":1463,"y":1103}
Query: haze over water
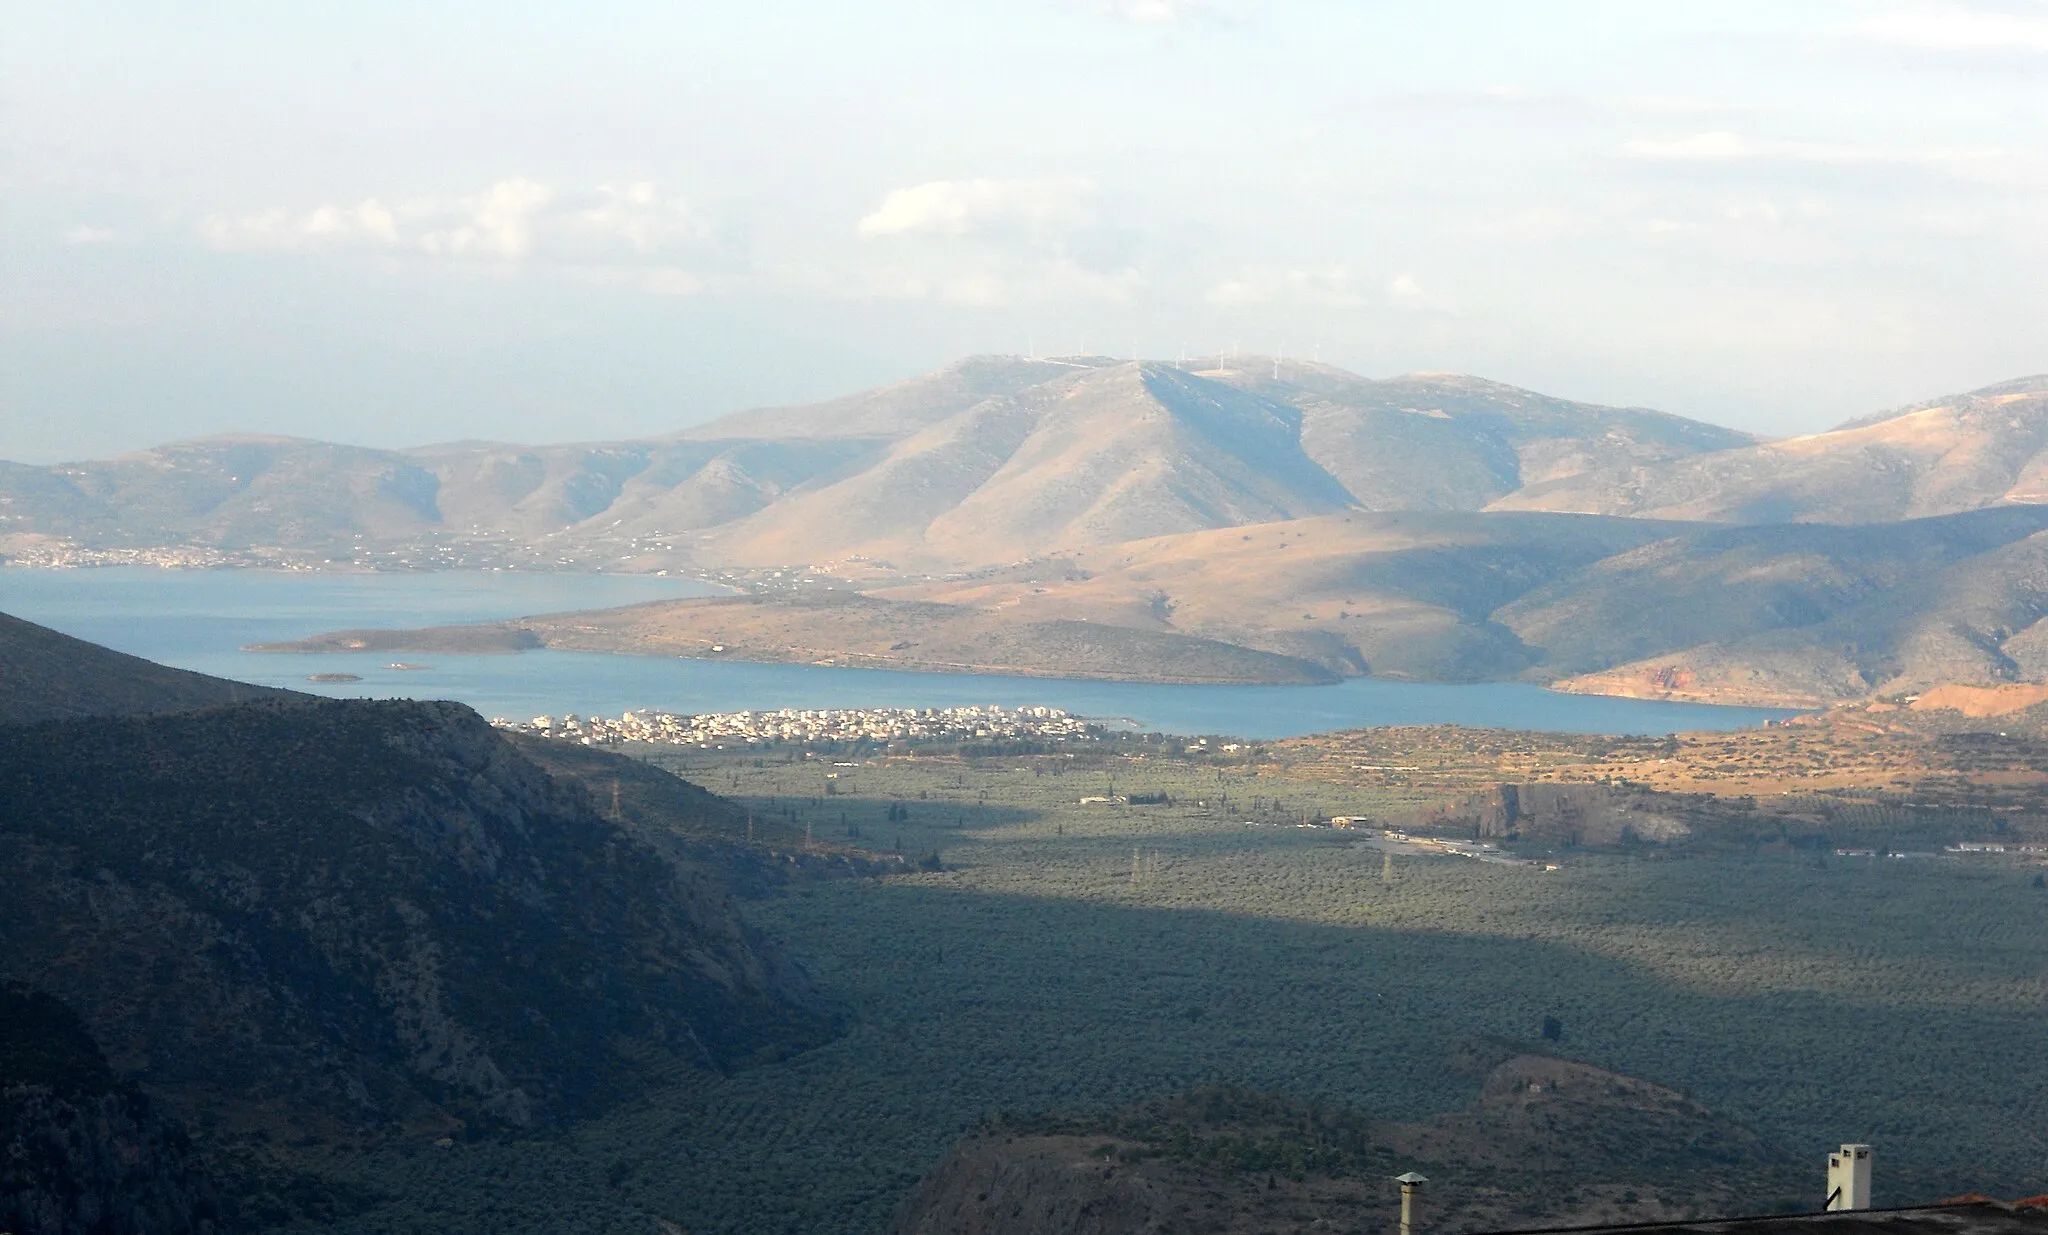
{"x":200,"y":620}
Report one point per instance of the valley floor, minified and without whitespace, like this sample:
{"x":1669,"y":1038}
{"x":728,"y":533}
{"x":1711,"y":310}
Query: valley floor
{"x":1071,"y":955}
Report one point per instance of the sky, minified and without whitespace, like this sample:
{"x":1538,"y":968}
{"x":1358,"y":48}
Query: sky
{"x":399,"y":223}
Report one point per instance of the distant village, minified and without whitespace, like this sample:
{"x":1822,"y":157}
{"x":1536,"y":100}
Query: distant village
{"x":1959,"y":849}
{"x":56,"y":554}
{"x":426,"y":552}
{"x":820,"y":726}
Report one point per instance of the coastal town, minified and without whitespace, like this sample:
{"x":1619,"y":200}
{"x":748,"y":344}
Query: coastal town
{"x":429,"y":551}
{"x":814,"y":726}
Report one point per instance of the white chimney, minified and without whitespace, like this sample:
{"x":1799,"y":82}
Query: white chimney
{"x":1411,"y":1200}
{"x":1849,"y":1178}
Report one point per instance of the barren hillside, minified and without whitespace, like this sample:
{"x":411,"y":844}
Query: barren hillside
{"x":1392,"y":594}
{"x":1446,"y":441}
{"x":1095,"y":457}
{"x":984,"y":461}
{"x":1963,"y":452}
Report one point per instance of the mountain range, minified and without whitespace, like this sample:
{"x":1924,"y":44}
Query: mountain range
{"x":1428,"y":526}
{"x":991,"y":459}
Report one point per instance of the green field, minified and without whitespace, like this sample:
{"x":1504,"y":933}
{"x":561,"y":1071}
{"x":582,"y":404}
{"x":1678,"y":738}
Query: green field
{"x":1898,"y":1002}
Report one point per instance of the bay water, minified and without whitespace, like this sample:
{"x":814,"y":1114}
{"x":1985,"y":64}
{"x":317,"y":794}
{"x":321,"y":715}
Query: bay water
{"x":200,"y":619}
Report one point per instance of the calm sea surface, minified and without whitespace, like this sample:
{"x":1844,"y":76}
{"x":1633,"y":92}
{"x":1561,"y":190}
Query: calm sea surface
{"x":199,"y":619}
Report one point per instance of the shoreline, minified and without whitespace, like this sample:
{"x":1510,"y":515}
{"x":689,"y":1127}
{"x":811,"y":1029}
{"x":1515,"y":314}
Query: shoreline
{"x":1024,"y":653}
{"x":862,"y":662}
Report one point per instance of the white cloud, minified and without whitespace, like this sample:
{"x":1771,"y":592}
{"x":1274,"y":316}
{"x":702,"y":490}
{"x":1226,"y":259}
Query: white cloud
{"x":85,"y":234}
{"x":1703,"y":146}
{"x":513,"y":221}
{"x":987,"y":242}
{"x":1155,"y":12}
{"x":963,"y":207}
{"x":497,"y":223}
{"x":1158,"y":12}
{"x":1958,"y":29}
{"x":1331,"y":287}
{"x":980,"y":278}
{"x":1726,"y":147}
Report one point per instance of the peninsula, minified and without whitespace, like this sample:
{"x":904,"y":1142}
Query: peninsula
{"x":852,"y":631}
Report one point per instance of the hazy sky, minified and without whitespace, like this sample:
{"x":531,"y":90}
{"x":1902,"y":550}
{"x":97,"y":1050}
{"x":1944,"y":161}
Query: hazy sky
{"x":399,"y":223}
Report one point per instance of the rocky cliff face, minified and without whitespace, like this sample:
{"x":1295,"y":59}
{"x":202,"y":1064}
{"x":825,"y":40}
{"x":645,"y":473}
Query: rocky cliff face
{"x":340,"y":916}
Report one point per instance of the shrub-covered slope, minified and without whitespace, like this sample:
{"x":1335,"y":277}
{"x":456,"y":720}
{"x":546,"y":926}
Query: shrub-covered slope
{"x":82,"y":1153}
{"x":45,"y":675}
{"x":1547,"y":1142}
{"x":346,"y":913}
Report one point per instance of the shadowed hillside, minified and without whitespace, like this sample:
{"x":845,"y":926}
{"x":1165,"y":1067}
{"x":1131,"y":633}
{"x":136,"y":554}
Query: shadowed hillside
{"x":1547,"y":1142}
{"x":81,"y":1152}
{"x":354,"y":918}
{"x":232,"y":824}
{"x":45,"y":675}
